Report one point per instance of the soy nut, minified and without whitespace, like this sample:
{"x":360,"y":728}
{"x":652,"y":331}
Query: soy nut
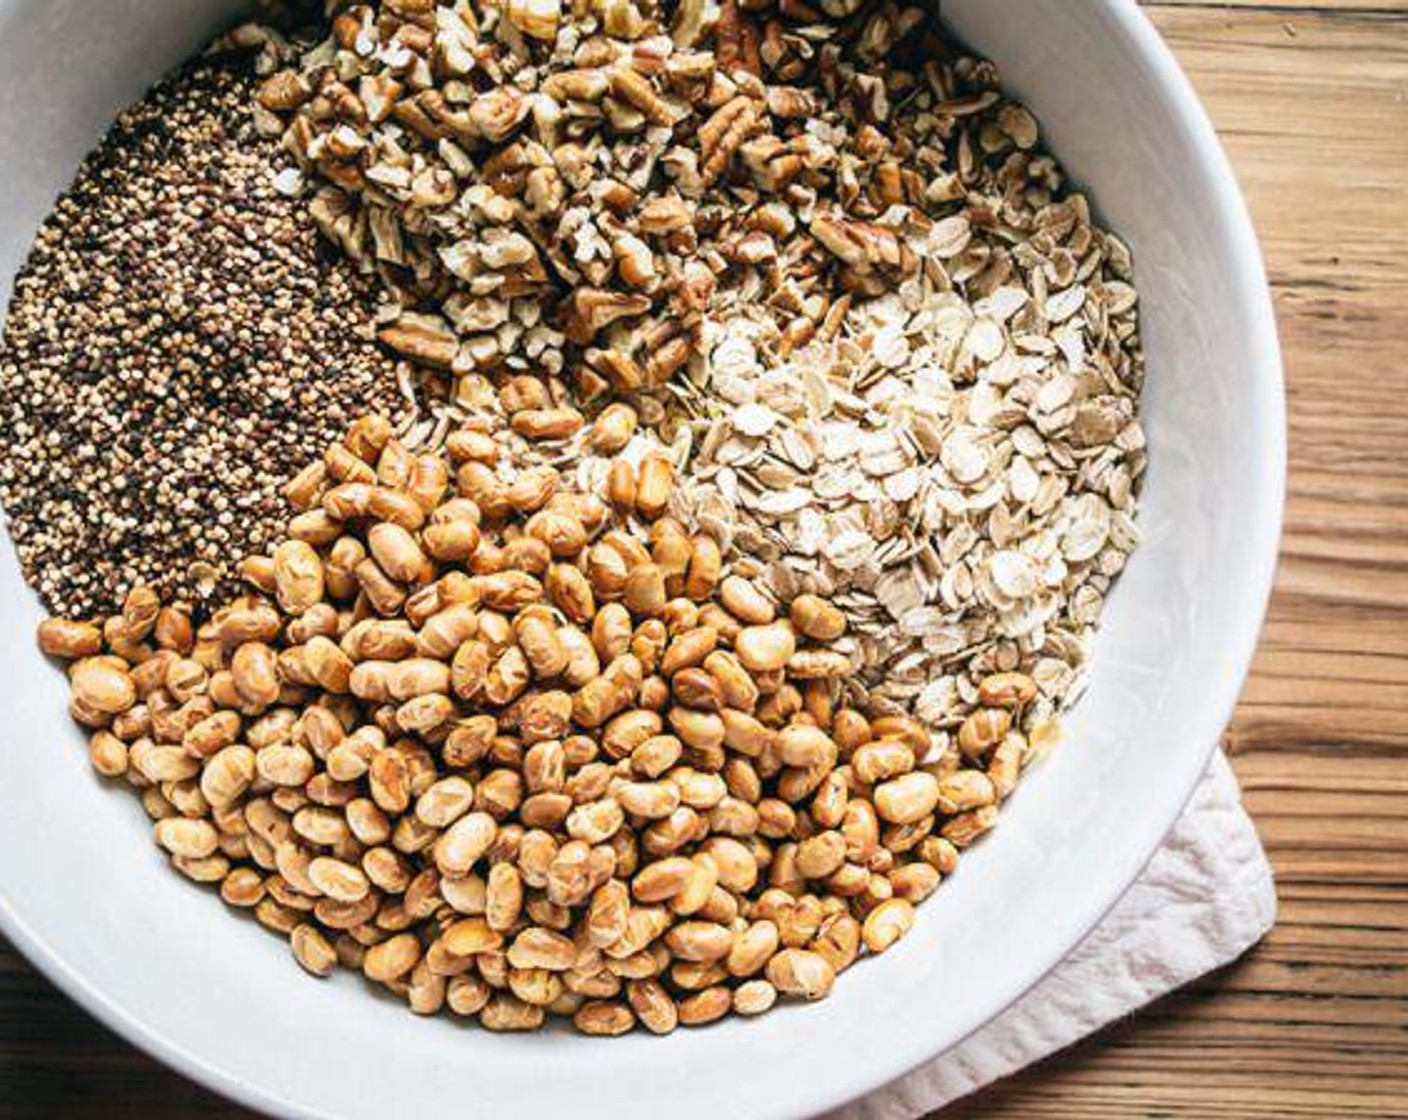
{"x":298,"y":576}
{"x":821,"y":855}
{"x":102,"y":685}
{"x":805,"y":747}
{"x":887,"y":923}
{"x":542,"y":948}
{"x":255,"y":670}
{"x":983,"y":730}
{"x":964,"y":790}
{"x":765,"y":649}
{"x":699,"y":941}
{"x":396,"y":552}
{"x":470,"y":936}
{"x":655,"y":487}
{"x":190,"y":839}
{"x":605,"y":1018}
{"x":744,"y":601}
{"x":799,"y":972}
{"x":1007,"y":690}
{"x":705,"y":566}
{"x":391,"y":959}
{"x":908,"y":798}
{"x":338,"y":880}
{"x":754,"y":997}
{"x":882,"y":759}
{"x":817,"y":619}
{"x":59,"y":637}
{"x":653,"y":1006}
{"x":312,"y":950}
{"x":613,"y":428}
{"x":464,"y":843}
{"x":753,"y":948}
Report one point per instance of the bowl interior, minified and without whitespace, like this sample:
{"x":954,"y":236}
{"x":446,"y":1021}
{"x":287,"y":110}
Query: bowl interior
{"x":84,"y":893}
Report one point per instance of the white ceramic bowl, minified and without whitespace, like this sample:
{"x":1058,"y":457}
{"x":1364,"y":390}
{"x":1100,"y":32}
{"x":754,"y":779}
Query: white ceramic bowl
{"x":84,"y":893}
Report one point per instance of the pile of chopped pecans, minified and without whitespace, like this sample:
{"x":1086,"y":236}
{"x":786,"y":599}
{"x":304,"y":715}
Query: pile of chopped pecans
{"x":512,"y":749}
{"x":815,"y":247}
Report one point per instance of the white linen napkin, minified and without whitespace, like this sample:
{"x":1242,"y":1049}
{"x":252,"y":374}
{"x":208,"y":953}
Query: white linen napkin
{"x":1204,"y":899}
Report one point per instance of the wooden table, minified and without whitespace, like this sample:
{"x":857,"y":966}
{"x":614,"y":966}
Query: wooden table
{"x":1312,"y":103}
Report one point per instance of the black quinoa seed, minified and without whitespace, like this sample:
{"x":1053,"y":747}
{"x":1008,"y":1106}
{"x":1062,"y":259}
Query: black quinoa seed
{"x":178,"y":344}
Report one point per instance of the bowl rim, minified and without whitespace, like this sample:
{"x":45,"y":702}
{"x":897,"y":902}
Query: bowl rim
{"x":1249,"y":286}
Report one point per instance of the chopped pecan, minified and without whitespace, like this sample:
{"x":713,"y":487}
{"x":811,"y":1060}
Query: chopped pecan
{"x":591,"y":310}
{"x":771,"y":162}
{"x":613,"y":195}
{"x":415,"y":39}
{"x":634,"y":262}
{"x":721,"y":135}
{"x":795,"y":335}
{"x":682,"y":165}
{"x":664,"y":214}
{"x":498,"y":112}
{"x":284,"y":91}
{"x":577,"y":85}
{"x":736,"y":40}
{"x":753,"y":248}
{"x":349,"y":25}
{"x":412,"y":114}
{"x":696,"y":286}
{"x":378,"y":94}
{"x":688,"y":23}
{"x":622,"y":372}
{"x":620,"y":19}
{"x":791,"y":103}
{"x":834,"y":318}
{"x":538,"y":19}
{"x":668,"y":346}
{"x":348,"y":176}
{"x":779,"y":55}
{"x":690,"y":73}
{"x":422,"y":338}
{"x":887,"y":183}
{"x":433,"y":187}
{"x":544,"y":192}
{"x":421,"y":12}
{"x":639,"y":91}
{"x":863,"y":247}
{"x":798,"y":11}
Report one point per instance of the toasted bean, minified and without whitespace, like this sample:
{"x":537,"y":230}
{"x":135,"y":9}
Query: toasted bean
{"x":391,"y":959}
{"x":983,"y":730}
{"x":801,"y":973}
{"x":102,"y":685}
{"x":908,"y":798}
{"x":887,"y":923}
{"x":653,"y":1006}
{"x":1007,"y":690}
{"x":765,"y":648}
{"x":742,"y":598}
{"x":657,"y":484}
{"x":69,"y":640}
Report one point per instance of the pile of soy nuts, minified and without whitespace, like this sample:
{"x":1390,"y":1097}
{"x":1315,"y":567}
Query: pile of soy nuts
{"x":521,"y":751}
